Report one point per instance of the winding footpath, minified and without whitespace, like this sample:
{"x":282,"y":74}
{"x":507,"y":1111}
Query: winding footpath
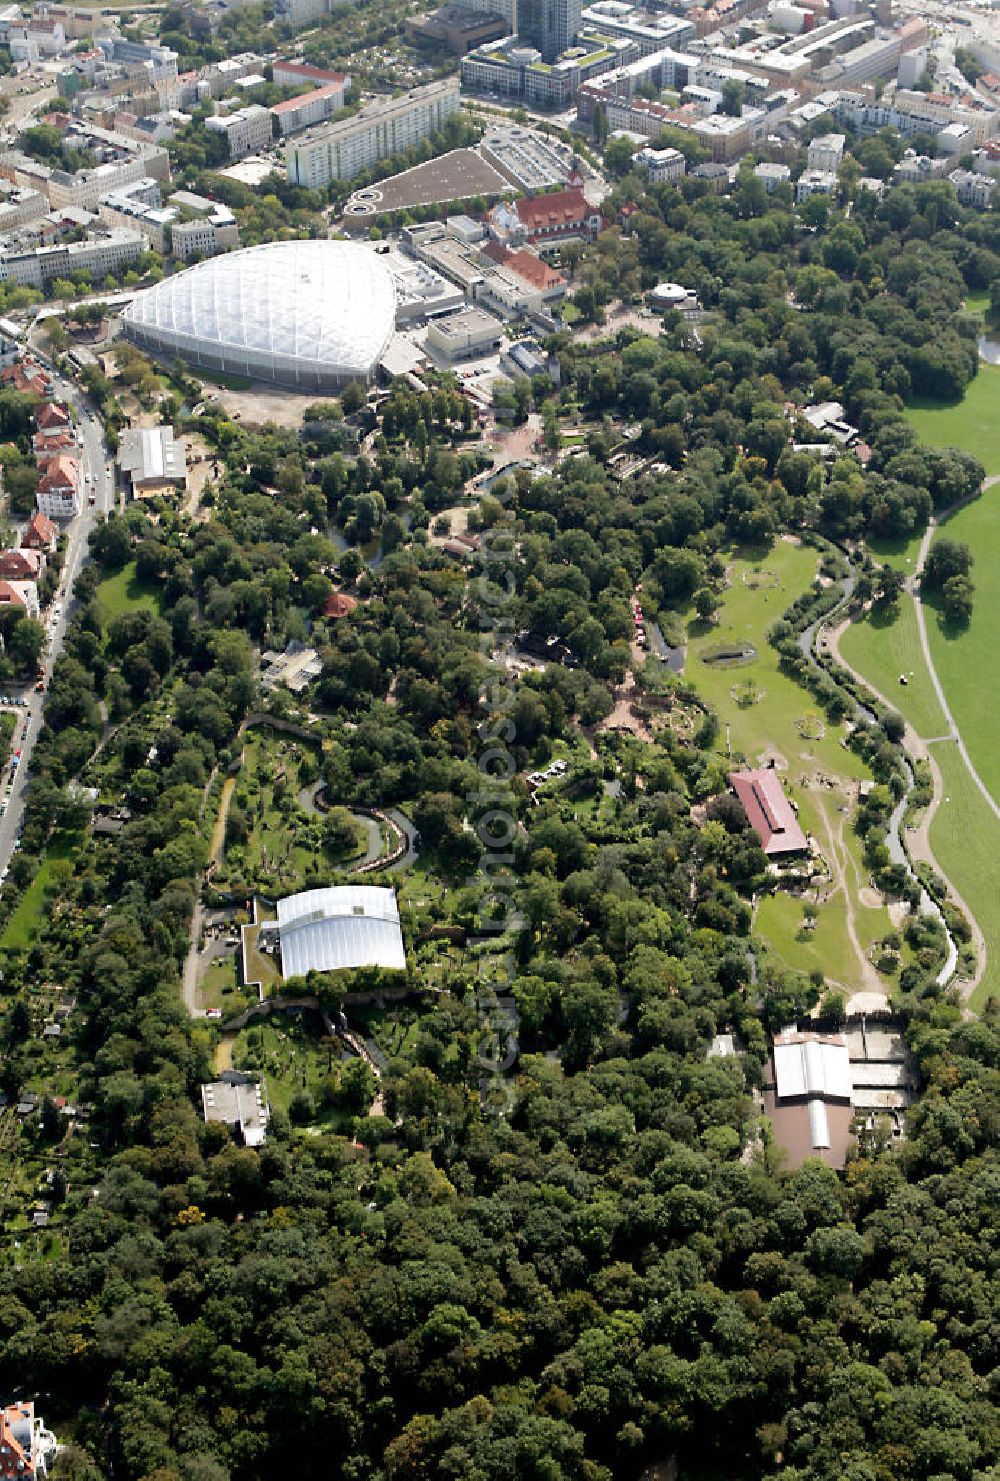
{"x":918,"y":748}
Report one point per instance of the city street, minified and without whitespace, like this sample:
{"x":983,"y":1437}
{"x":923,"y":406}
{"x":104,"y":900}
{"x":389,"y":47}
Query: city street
{"x":93,"y":463}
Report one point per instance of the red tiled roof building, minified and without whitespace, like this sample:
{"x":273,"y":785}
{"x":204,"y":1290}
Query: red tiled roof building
{"x":769,"y":812}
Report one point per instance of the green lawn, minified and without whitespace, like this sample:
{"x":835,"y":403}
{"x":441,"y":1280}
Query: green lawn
{"x":900,"y":553}
{"x":882,"y":651}
{"x":124,"y":592}
{"x":966,"y":659}
{"x":965,"y":839}
{"x":777,"y":721}
{"x":23,"y":925}
{"x":977,"y":303}
{"x":744,"y":616}
{"x":972,"y":423}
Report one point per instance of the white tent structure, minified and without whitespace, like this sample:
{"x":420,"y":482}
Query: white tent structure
{"x":310,"y":315}
{"x":332,"y":929}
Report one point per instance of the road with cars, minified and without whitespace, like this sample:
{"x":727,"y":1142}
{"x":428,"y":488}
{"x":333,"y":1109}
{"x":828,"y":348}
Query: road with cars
{"x":97,"y":482}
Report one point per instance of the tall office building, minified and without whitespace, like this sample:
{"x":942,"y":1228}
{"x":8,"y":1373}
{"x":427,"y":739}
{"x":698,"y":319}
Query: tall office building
{"x":548,"y":25}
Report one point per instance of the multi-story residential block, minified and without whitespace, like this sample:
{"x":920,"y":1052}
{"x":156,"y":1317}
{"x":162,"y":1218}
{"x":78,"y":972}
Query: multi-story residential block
{"x":772,"y":175}
{"x":19,"y":205}
{"x":299,"y":13}
{"x":341,"y":150}
{"x":222,"y":76}
{"x":57,"y":494}
{"x":815,"y":182}
{"x":826,"y":152}
{"x":295,"y":114}
{"x":33,"y":39}
{"x":245,"y":131}
{"x":660,"y":164}
{"x":122,"y":161}
{"x":973,"y":189}
{"x":104,"y":252}
{"x":651,"y":33}
{"x":157,"y":61}
{"x":200,"y":227}
{"x":188,"y":226}
{"x":302,"y":74}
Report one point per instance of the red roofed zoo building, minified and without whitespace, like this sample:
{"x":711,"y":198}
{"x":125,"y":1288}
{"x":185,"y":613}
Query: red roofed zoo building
{"x":559,"y":216}
{"x":26,"y":1446}
{"x":769,"y":813}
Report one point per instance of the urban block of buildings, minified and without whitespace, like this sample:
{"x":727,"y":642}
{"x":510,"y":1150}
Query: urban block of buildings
{"x":121,"y":161}
{"x":186,"y":226}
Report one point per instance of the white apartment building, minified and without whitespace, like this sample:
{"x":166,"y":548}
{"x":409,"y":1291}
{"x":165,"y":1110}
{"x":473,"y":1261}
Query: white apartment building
{"x":204,"y":237}
{"x":826,"y":152}
{"x":973,"y":189}
{"x":339,"y":151}
{"x":660,"y":164}
{"x":815,"y":182}
{"x":34,"y":39}
{"x":19,"y":206}
{"x":246,"y":131}
{"x":772,"y":175}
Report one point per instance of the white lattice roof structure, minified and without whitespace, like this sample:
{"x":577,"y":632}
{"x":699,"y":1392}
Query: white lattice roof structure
{"x":311,"y":315}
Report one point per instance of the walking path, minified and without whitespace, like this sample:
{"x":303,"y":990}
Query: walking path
{"x":917,"y":748}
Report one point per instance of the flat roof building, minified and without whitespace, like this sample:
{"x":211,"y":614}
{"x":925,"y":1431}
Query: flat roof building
{"x":151,"y":460}
{"x":239,"y":1101}
{"x":465,"y":336}
{"x":341,"y":150}
{"x":769,"y":812}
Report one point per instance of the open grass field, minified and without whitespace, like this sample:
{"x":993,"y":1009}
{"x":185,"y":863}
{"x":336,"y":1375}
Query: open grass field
{"x":882,"y":651}
{"x":964,"y":836}
{"x":965,"y":839}
{"x":745,"y":614}
{"x":900,"y":553}
{"x":124,"y":592}
{"x":966,"y":659}
{"x":972,"y":423}
{"x":24,"y":923}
